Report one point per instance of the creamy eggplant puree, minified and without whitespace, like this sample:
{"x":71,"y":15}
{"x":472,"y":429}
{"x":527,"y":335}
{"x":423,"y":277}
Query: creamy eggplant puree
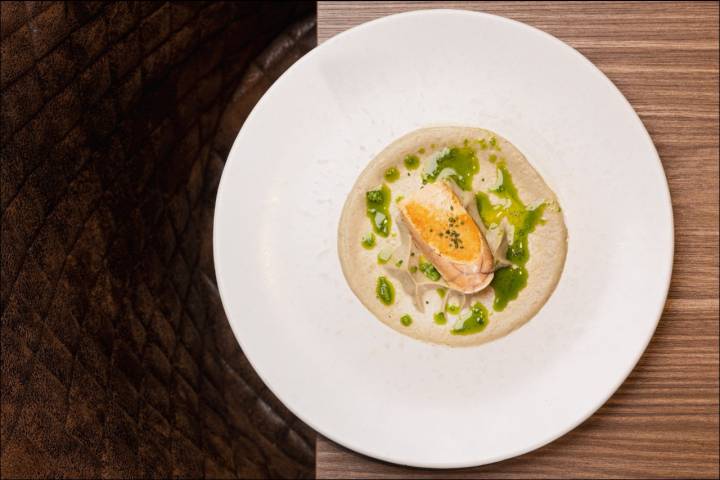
{"x":450,"y":236}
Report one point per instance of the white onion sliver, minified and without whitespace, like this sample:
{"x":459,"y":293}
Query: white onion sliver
{"x":498,"y":180}
{"x":461,"y":299}
{"x":475,"y":215}
{"x":445,"y":173}
{"x":386,"y":253}
{"x":420,"y":288}
{"x":403,"y":250}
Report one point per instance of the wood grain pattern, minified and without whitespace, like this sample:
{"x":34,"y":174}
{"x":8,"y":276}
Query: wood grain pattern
{"x":663,"y":421}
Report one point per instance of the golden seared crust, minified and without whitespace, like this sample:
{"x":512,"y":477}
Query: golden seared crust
{"x":442,"y":222}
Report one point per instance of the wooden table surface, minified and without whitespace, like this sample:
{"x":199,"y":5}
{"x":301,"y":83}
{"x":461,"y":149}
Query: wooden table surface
{"x":663,"y":421}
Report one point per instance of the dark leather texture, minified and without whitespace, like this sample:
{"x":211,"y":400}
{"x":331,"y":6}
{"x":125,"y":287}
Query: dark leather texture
{"x":117,"y":359}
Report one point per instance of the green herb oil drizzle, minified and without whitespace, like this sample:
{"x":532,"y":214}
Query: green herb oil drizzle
{"x":392,"y":174}
{"x":476,"y":322}
{"x":385,"y":291}
{"x":428,"y":269}
{"x":378,"y":202}
{"x":461,"y":161}
{"x":412,"y":162}
{"x":452,"y":309}
{"x":368,"y":241}
{"x":509,"y":281}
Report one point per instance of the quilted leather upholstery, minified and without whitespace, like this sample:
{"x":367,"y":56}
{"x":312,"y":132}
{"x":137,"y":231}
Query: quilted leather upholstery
{"x":117,"y":359}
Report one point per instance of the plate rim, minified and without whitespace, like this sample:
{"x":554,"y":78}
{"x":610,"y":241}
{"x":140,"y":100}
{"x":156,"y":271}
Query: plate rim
{"x":668,"y":270}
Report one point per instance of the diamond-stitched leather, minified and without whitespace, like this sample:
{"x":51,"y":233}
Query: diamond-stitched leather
{"x":117,"y":359}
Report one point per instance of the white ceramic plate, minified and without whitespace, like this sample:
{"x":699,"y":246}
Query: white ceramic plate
{"x":324,"y":355}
